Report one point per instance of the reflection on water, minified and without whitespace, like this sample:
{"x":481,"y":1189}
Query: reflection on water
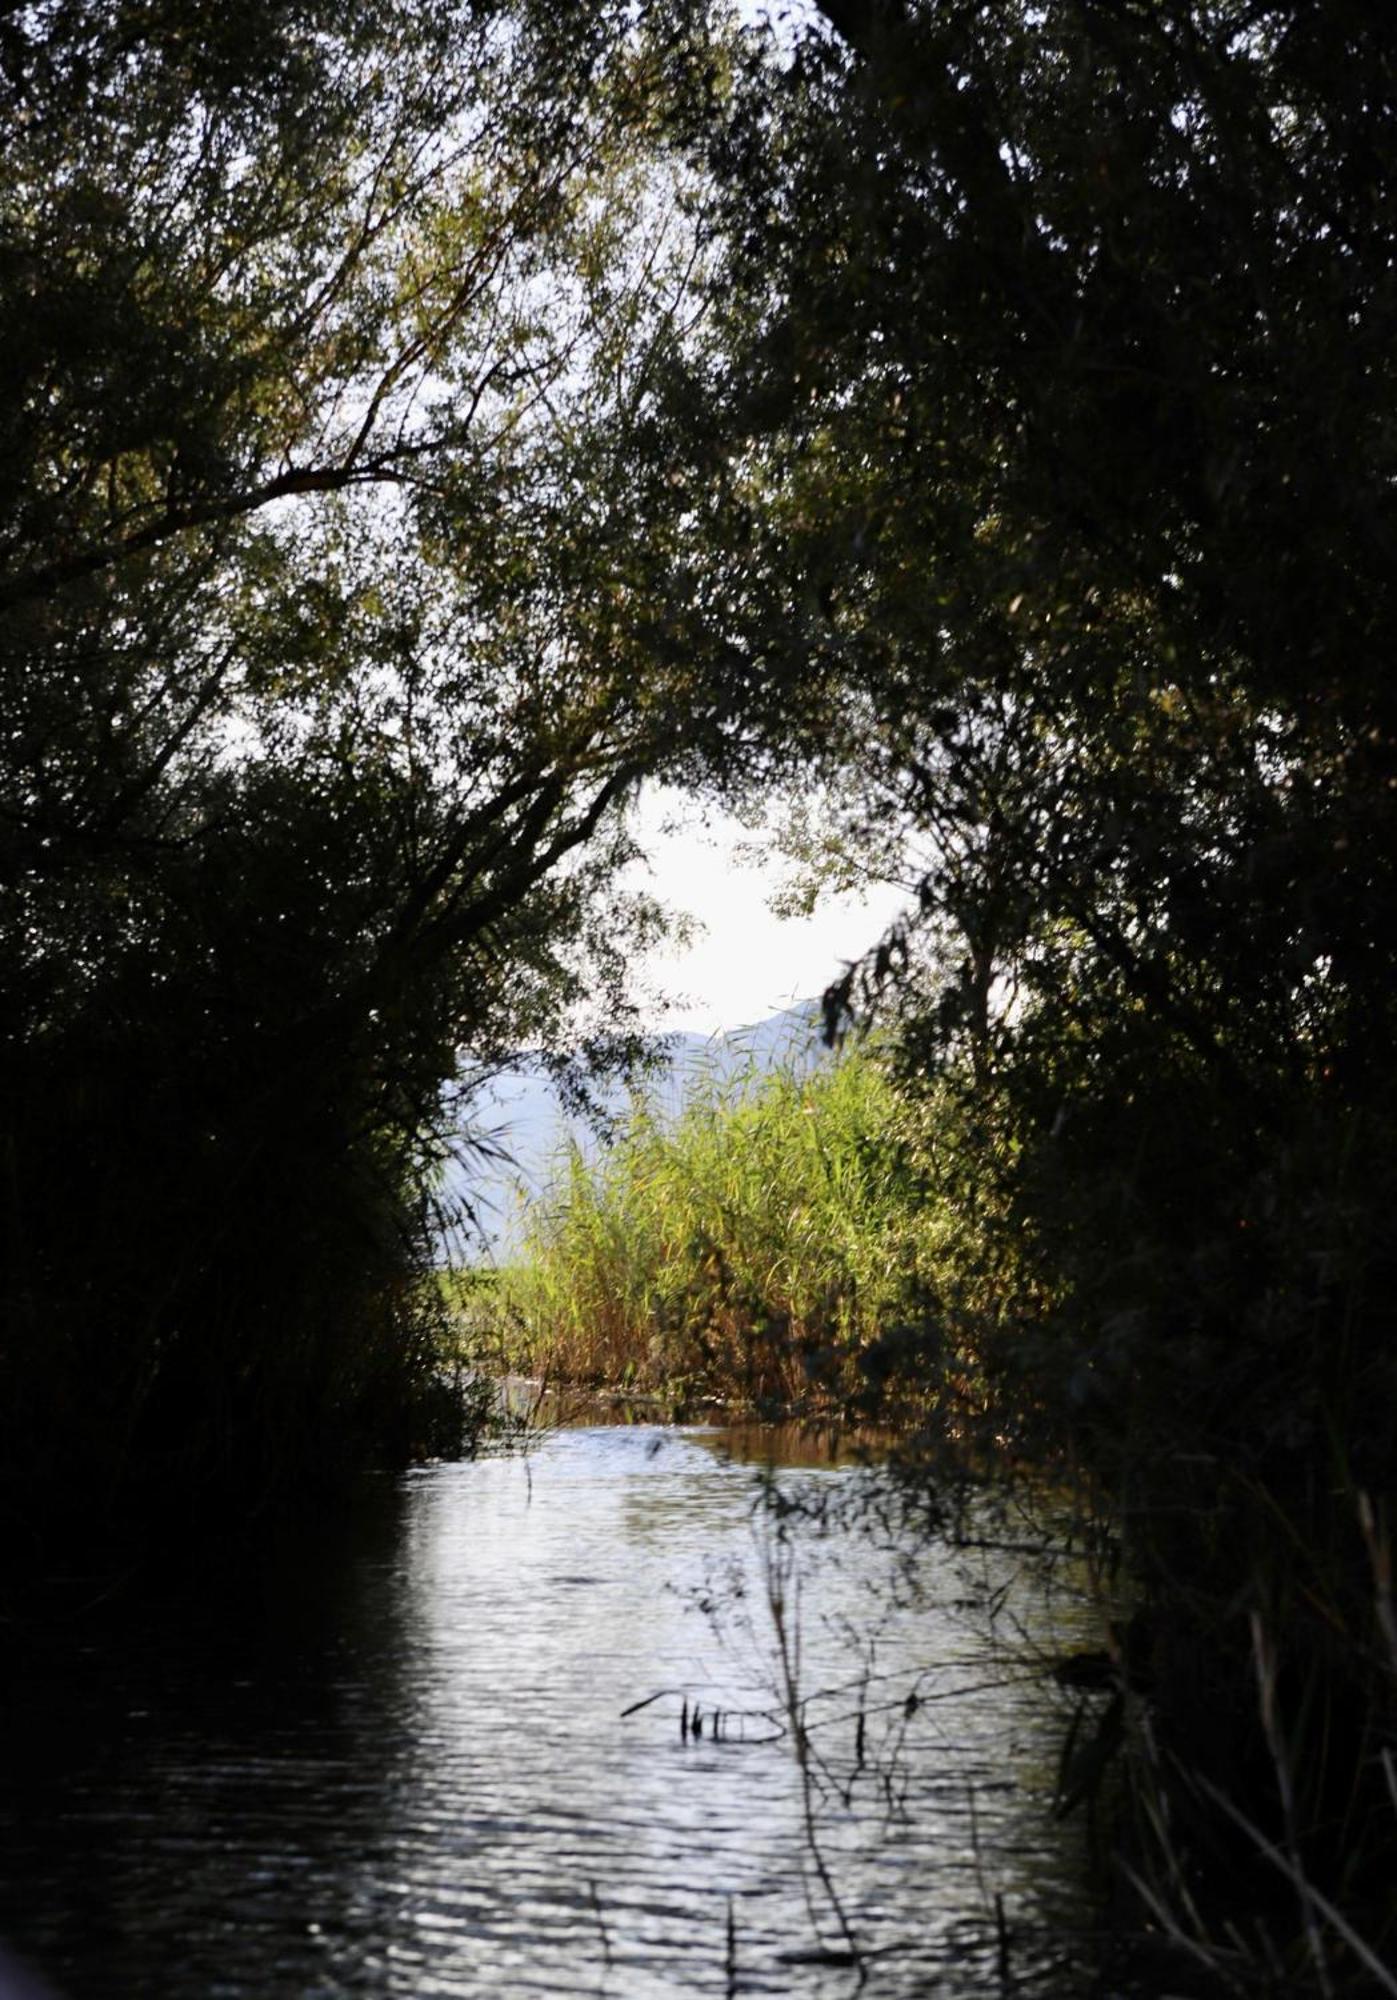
{"x":396,"y":1762}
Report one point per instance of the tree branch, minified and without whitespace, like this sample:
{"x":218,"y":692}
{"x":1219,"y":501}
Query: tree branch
{"x":177,"y":520}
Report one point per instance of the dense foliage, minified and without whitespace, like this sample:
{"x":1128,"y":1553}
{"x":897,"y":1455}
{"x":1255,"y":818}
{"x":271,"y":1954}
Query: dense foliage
{"x":1070,"y":414}
{"x":327,"y":334}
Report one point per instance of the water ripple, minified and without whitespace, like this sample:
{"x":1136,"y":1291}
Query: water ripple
{"x":406,"y":1771}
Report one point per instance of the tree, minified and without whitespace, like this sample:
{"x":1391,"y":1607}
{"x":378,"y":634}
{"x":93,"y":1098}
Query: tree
{"x":328,"y":333}
{"x":1071,"y":418}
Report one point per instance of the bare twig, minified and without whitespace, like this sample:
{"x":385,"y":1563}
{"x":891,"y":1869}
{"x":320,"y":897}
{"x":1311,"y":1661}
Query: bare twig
{"x":781,"y":1585}
{"x":1384,"y":1974}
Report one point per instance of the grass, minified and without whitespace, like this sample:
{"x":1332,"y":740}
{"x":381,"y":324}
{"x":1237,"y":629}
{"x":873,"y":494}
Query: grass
{"x":752,"y":1246}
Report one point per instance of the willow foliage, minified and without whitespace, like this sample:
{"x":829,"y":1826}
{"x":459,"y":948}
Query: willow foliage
{"x":328,"y":333}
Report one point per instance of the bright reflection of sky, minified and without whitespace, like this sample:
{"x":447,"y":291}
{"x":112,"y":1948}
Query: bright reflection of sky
{"x":748,"y":963}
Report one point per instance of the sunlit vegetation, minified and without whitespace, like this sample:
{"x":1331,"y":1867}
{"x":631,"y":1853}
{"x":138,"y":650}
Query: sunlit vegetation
{"x":754,"y":1247}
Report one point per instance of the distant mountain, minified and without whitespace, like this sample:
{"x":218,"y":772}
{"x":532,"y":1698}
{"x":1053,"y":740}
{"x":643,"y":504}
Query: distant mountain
{"x":521,"y":1129}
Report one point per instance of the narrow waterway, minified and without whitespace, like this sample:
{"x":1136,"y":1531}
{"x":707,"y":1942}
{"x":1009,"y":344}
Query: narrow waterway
{"x":398,"y":1760}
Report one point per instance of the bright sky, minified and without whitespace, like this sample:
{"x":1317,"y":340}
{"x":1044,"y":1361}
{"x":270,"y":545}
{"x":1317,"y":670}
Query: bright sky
{"x":748,"y":963}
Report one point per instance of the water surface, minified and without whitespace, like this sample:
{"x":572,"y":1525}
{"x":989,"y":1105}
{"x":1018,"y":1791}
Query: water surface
{"x":397,"y":1761}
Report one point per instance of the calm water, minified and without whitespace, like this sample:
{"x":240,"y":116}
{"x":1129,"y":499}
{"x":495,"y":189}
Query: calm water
{"x":397,"y":1761}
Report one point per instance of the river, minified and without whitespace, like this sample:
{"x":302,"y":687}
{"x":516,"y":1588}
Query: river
{"x":397,"y":1759}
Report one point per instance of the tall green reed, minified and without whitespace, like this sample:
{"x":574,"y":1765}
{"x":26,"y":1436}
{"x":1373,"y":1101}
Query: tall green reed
{"x":751,"y":1242}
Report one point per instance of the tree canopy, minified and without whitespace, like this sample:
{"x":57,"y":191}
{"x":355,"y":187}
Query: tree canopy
{"x":329,"y":334}
{"x":1070,"y":407}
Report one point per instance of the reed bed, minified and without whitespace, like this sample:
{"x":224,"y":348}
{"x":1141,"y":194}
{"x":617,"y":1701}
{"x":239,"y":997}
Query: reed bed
{"x":750,"y":1244}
